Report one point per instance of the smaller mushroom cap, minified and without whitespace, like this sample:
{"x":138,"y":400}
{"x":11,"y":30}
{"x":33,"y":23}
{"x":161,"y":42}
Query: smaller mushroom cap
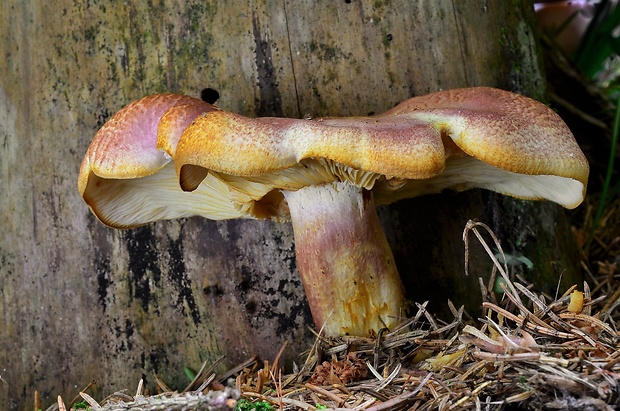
{"x":126,"y":178}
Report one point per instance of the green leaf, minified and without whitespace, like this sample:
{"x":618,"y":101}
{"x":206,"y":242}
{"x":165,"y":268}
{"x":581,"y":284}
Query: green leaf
{"x":191,"y":374}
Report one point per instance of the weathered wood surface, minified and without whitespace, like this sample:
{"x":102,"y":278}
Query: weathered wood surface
{"x":80,"y":301}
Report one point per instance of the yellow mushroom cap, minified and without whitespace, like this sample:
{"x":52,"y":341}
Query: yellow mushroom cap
{"x":457,"y":139}
{"x":503,"y":129}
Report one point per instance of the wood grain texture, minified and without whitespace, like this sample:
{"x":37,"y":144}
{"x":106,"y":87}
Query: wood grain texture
{"x":79,"y":301}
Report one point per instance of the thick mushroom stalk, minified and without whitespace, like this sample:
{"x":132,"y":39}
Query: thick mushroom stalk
{"x":344,"y":259}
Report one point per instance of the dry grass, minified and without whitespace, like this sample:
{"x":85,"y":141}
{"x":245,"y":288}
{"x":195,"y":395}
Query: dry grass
{"x":528,"y":352}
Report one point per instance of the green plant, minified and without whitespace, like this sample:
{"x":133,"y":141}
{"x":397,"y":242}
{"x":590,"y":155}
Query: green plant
{"x":82,"y":405}
{"x":605,"y":194}
{"x":600,"y":41}
{"x":245,"y":405}
{"x":191,"y":374}
{"x":597,"y":57}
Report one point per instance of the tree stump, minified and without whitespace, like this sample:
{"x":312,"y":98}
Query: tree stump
{"x":82,"y":302}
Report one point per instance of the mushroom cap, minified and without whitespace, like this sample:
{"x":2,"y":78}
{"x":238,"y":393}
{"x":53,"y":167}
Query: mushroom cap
{"x":230,"y":166}
{"x":503,"y":129}
{"x":128,"y":180}
{"x":458,"y":139}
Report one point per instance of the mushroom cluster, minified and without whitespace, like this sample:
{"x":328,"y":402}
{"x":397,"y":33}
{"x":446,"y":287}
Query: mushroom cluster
{"x":170,"y":156}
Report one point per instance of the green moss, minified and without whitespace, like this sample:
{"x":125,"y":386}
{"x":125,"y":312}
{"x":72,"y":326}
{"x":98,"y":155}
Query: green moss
{"x":90,"y":34}
{"x":503,"y":38}
{"x":524,"y":71}
{"x":245,"y":405}
{"x":198,"y":13}
{"x":326,"y":52}
{"x":386,"y":38}
{"x":82,"y":405}
{"x":330,"y":76}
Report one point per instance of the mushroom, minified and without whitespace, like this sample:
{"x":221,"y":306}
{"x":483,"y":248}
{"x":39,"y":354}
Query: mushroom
{"x":325,"y":175}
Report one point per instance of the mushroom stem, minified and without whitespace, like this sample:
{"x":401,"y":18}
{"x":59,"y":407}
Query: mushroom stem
{"x":344,"y":259}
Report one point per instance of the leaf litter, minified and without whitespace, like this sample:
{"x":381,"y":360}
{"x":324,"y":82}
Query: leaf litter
{"x":529,"y":352}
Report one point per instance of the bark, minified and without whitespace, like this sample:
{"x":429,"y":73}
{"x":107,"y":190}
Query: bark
{"x":79,"y":301}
